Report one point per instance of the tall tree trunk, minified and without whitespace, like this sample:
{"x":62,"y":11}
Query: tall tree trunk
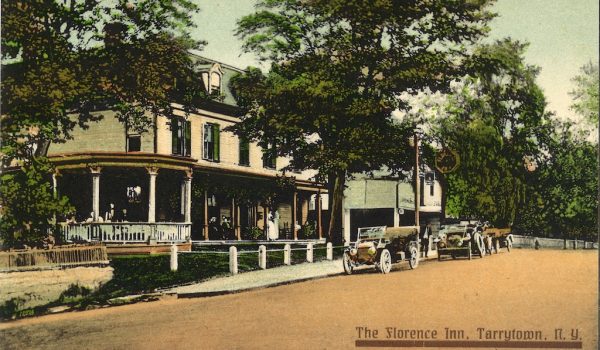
{"x":444,"y":187}
{"x":336,"y":183}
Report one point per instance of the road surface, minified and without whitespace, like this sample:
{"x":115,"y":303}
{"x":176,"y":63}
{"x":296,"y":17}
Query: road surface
{"x":525,"y":290}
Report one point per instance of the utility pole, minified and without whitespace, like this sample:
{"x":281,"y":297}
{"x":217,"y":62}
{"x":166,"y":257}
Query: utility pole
{"x":416,"y":179}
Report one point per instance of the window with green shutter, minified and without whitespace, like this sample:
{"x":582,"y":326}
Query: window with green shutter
{"x":244,"y":152}
{"x":187,"y":141}
{"x":181,"y":137}
{"x":270,"y":157}
{"x":211,"y":142}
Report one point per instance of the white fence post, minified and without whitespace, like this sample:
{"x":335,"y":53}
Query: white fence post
{"x":174,"y":257}
{"x":329,"y":251}
{"x":233,"y":261}
{"x":309,"y":252}
{"x":262,"y":257}
{"x":287,"y":254}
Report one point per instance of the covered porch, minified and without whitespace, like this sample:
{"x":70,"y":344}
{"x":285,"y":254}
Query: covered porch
{"x":125,"y":198}
{"x":148,"y":198}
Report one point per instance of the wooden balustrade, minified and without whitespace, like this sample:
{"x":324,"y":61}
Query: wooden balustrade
{"x":126,"y":232}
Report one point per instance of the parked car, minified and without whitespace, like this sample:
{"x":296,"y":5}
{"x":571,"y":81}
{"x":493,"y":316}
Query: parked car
{"x":460,"y":240}
{"x":499,"y":238}
{"x":382,"y":246}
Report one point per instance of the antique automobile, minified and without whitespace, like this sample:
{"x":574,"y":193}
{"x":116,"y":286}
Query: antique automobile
{"x":382,"y":246}
{"x":499,"y":238}
{"x":460,"y":240}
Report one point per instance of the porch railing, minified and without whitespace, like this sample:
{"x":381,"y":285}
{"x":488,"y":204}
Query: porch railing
{"x":127,"y":232}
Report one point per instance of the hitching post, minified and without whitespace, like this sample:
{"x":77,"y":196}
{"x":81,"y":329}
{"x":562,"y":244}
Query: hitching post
{"x":262,"y":257}
{"x":287,"y":255}
{"x":329,"y":251}
{"x":174,"y":257}
{"x":309,"y":252}
{"x":233,"y":262}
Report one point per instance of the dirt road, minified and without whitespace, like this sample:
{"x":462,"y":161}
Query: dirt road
{"x":522,"y":290}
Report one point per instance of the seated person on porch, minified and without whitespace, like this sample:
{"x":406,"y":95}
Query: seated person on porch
{"x":90,"y":218}
{"x":110,"y":214}
{"x":123,"y":217}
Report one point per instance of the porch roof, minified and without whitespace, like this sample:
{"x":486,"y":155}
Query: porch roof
{"x":121,"y":159}
{"x":146,"y":160}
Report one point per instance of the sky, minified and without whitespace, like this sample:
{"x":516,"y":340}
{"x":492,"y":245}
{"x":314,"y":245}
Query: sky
{"x":563,"y":36}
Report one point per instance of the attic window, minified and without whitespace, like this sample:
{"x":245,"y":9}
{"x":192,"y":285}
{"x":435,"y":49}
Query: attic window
{"x":215,"y":82}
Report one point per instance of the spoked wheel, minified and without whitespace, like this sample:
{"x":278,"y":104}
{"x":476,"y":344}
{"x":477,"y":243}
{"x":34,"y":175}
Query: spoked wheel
{"x":413,"y":260}
{"x":480,"y":246}
{"x":348,"y":267}
{"x":385,"y":261}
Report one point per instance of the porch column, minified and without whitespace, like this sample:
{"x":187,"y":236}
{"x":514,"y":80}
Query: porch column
{"x":152,"y":172}
{"x":187,"y":217}
{"x":237,"y":223}
{"x":234,"y":219}
{"x":295,"y":214}
{"x":206,"y":215}
{"x":319,"y":219}
{"x":95,"y":171}
{"x":265,"y":221}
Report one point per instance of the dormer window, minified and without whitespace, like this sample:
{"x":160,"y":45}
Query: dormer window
{"x":212,"y":79}
{"x":215,"y":82}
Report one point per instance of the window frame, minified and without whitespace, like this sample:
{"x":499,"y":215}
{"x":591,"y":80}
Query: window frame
{"x":243,"y":148}
{"x":128,"y":142}
{"x":269,"y":157}
{"x":181,"y":137}
{"x":215,"y":142}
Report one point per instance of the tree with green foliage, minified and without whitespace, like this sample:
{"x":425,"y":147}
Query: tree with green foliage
{"x":337,"y":68}
{"x":28,"y":205}
{"x":585,"y":94}
{"x":63,"y":62}
{"x":569,"y":189}
{"x":496,"y":121}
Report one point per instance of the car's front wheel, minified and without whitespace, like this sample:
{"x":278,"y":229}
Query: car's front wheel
{"x":385,"y":261}
{"x":348,"y":267}
{"x":413,"y":260}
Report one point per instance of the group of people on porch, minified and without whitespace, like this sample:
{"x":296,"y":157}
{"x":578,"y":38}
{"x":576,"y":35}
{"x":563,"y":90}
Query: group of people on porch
{"x":111,"y":215}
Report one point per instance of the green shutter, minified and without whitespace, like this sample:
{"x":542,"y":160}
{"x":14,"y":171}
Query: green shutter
{"x":188,"y":138}
{"x":174,"y":140}
{"x":216,"y":142}
{"x":244,"y":151}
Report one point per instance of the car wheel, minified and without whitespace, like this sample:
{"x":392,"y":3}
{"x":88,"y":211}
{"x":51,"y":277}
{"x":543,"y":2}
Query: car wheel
{"x":481,"y":246}
{"x":348,"y":267}
{"x":413,"y":260}
{"x":385,"y":261}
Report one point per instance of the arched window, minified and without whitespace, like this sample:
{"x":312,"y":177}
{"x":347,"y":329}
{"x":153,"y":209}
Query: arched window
{"x":215,"y":82}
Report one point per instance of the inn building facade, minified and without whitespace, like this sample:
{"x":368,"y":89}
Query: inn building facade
{"x":184,"y":178}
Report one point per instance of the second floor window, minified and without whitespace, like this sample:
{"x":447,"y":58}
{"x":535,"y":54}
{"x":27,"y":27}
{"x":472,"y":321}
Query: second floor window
{"x":244,"y":152}
{"x":181,"y":137}
{"x":211,"y":142}
{"x":134,"y":143}
{"x":270,"y":157}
